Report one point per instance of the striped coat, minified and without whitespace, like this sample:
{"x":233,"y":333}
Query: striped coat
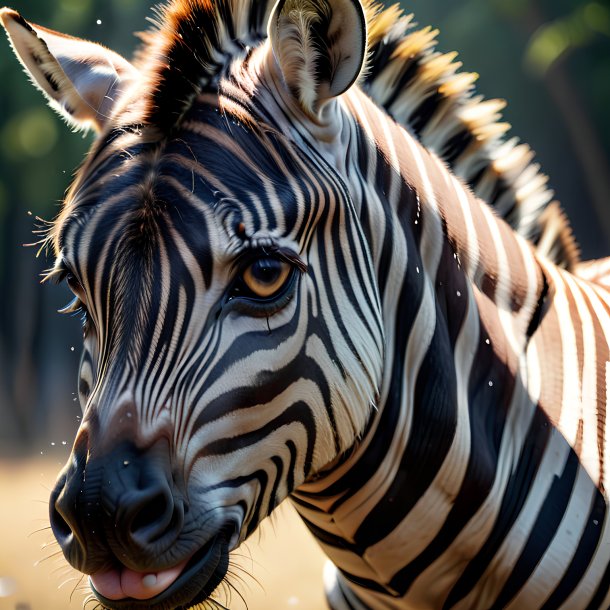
{"x":287,"y":293}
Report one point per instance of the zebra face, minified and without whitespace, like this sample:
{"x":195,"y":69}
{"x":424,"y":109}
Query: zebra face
{"x":225,"y":354}
{"x":228,"y":353}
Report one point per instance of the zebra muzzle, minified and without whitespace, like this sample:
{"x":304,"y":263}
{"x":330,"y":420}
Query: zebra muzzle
{"x":123,"y":519}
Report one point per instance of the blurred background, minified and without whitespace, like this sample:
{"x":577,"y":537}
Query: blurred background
{"x":549,"y":58}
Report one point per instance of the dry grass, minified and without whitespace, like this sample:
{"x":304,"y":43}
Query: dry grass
{"x":280,"y":569}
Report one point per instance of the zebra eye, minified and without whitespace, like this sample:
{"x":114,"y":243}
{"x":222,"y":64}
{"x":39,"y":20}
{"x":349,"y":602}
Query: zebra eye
{"x":76,"y":287}
{"x":265,"y":276}
{"x":77,"y":305}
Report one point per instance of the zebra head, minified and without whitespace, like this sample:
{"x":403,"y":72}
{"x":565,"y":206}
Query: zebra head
{"x":233,"y":341}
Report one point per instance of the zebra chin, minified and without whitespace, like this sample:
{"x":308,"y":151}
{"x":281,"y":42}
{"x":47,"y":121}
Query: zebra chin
{"x":124,"y":519}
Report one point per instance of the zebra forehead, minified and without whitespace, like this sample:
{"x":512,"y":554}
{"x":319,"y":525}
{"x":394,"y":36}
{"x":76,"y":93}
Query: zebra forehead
{"x":214,"y":173}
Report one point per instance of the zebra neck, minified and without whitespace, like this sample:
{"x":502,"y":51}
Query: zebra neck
{"x":459,"y":292}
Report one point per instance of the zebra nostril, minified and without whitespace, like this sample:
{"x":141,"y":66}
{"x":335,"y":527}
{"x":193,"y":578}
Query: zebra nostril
{"x":63,"y":516}
{"x":151,"y":514}
{"x":60,"y":527}
{"x":155,"y":517}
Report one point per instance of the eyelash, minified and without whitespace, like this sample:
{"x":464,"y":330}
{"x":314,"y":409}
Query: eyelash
{"x":75,"y":307}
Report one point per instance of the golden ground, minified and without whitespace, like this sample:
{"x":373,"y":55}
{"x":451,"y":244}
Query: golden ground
{"x":285,"y":562}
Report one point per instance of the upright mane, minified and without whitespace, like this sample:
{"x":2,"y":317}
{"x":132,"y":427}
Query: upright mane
{"x":190,"y":46}
{"x":194,"y":41}
{"x":425,"y":91}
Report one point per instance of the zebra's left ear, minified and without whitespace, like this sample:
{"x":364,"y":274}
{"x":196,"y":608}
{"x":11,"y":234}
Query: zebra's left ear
{"x":320,"y":47}
{"x":82,"y":80}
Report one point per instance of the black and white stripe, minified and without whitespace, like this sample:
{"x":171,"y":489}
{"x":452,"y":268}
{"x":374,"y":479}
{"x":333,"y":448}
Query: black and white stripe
{"x":427,"y":386}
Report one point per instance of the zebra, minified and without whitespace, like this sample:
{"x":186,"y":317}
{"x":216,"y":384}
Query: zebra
{"x":285,"y":294}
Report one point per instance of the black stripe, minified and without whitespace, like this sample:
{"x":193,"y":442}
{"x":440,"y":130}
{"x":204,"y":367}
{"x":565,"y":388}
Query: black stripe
{"x":432,"y":431}
{"x":542,"y":532}
{"x":488,"y":407}
{"x":406,"y":312}
{"x":541,"y":308}
{"x":602,"y":591}
{"x":589,"y":540}
{"x":326,"y":538}
{"x":515,"y":496}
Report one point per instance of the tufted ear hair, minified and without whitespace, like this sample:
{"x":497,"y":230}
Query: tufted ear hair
{"x":319,"y":46}
{"x":82,"y":80}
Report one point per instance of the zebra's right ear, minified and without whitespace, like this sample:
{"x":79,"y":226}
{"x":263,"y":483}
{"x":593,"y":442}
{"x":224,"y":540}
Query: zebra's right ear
{"x":81,"y":80}
{"x":319,"y":46}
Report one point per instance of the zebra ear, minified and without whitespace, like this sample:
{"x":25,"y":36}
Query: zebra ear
{"x":82,"y":80}
{"x":320,"y":47}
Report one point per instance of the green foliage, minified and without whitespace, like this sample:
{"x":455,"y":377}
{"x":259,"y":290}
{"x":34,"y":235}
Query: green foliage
{"x":556,"y":38}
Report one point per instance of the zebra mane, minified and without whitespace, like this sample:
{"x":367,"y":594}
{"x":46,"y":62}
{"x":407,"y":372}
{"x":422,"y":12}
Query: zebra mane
{"x":424,"y":90}
{"x":190,"y":45}
{"x":194,"y":41}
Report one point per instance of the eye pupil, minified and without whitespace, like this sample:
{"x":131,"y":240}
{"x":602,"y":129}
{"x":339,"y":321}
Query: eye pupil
{"x":266,"y":271}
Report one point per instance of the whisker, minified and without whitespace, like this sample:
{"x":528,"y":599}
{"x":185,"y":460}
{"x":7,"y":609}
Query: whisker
{"x":40,"y":561}
{"x":80,"y":580}
{"x":42,"y":529}
{"x":65,"y":582}
{"x":238,"y":594}
{"x":65,"y":568}
{"x":93,"y":599}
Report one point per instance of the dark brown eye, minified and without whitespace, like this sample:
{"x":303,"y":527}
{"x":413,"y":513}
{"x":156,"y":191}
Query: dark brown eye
{"x":265,"y":276}
{"x":77,"y":305}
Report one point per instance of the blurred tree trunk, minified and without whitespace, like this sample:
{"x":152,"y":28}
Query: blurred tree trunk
{"x":568,"y":101}
{"x":4,"y":391}
{"x":19,"y":379}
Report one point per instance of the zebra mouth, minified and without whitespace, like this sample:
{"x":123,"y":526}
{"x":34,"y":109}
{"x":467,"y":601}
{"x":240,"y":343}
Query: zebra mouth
{"x":203,"y":572}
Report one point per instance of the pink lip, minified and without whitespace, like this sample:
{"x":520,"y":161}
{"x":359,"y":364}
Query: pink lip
{"x":123,"y":583}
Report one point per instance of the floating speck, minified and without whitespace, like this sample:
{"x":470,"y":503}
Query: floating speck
{"x":52,"y":444}
{"x":42,"y":453}
{"x":29,"y":212}
{"x":595,"y":522}
{"x":488,"y":341}
{"x":72,"y":349}
{"x":8,"y":586}
{"x":491,"y":384}
{"x":417,"y":269}
{"x":99,"y":22}
{"x":459,"y":293}
{"x":64,"y":443}
{"x":125,"y":462}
